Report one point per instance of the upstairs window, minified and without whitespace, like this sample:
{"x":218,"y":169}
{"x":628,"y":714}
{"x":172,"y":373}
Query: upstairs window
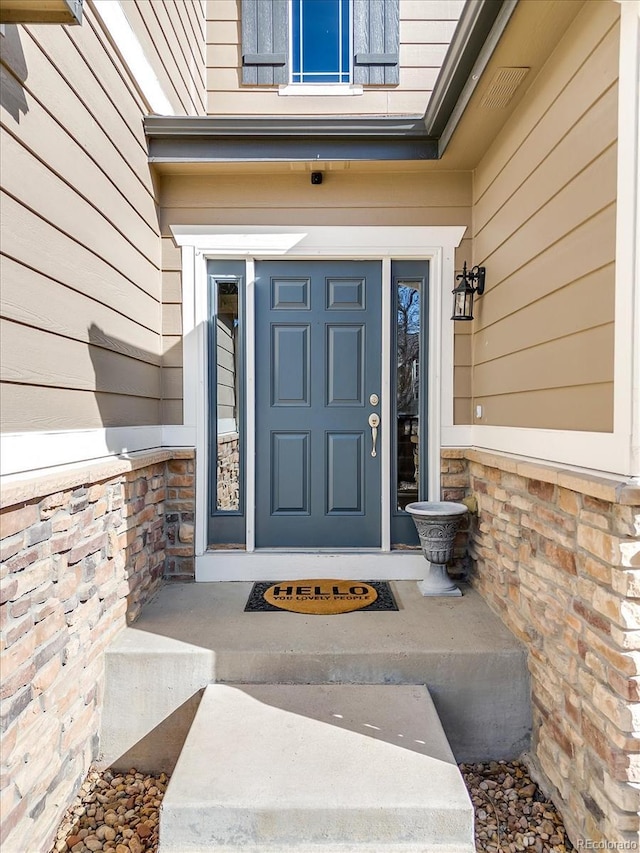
{"x":320,"y":41}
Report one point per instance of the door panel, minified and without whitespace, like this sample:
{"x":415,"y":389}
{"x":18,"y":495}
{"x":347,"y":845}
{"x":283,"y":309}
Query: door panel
{"x":345,"y":366}
{"x":318,"y":361}
{"x":290,"y":365}
{"x":345,"y":470}
{"x":290,"y":466}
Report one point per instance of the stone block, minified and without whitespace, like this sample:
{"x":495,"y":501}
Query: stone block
{"x":17,"y":518}
{"x":13,"y":707}
{"x":37,"y":533}
{"x":33,"y":576}
{"x":626,"y":582}
{"x":626,"y":686}
{"x":96,"y":543}
{"x":9,"y":591}
{"x":16,"y":629}
{"x":22,"y":560}
{"x":592,"y":568}
{"x":629,"y":494}
{"x":622,"y":714}
{"x":602,"y":488}
{"x":602,"y":545}
{"x":186,"y":533}
{"x":11,"y":546}
{"x":17,"y":681}
{"x":453,"y":453}
{"x":595,"y":620}
{"x":625,"y":639}
{"x":561,"y":557}
{"x":621,"y":611}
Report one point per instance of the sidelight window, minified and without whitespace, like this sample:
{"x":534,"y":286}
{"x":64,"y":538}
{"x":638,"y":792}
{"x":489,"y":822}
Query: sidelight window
{"x":227,"y":524}
{"x":408,"y":482}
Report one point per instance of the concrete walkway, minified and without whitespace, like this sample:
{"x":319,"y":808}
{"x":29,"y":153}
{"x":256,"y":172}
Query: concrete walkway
{"x":191,"y":635}
{"x":333,"y":768}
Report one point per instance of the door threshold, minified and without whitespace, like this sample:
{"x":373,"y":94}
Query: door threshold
{"x":303,"y":564}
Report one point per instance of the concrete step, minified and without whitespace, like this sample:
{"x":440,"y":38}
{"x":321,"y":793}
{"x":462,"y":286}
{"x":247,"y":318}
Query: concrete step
{"x":192,"y":635}
{"x":274,"y":768}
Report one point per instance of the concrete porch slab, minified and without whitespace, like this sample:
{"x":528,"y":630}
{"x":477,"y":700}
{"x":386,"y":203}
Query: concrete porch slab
{"x":191,"y":635}
{"x":336,"y":768}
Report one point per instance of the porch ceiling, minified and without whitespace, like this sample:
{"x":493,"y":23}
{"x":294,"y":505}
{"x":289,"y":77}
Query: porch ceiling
{"x":456,"y":130}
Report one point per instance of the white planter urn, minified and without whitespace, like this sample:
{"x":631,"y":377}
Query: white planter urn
{"x":437,"y":523}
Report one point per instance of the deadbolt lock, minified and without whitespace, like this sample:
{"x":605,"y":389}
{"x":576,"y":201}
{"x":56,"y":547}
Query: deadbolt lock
{"x":374,"y":399}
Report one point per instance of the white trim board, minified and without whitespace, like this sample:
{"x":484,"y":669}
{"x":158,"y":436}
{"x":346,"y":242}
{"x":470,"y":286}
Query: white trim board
{"x":22,"y":454}
{"x":594,"y":451}
{"x":299,"y":565}
{"x":25,"y":452}
{"x":627,"y":270}
{"x":328,"y":241}
{"x":29,"y":454}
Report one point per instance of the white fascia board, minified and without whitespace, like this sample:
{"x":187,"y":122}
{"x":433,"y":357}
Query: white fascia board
{"x":128,"y":46}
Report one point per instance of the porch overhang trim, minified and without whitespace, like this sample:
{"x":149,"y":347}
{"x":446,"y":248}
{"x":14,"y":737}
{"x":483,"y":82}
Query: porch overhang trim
{"x":205,"y":139}
{"x":478,"y":31}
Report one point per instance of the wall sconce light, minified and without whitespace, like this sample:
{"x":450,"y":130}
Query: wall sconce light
{"x":471,"y":282}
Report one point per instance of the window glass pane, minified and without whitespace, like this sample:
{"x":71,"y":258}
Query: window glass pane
{"x":321,"y":41}
{"x":408,"y":391}
{"x":227,"y":396}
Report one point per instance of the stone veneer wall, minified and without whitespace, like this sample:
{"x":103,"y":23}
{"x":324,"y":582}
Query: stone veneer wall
{"x":179,"y":510}
{"x":81,"y":552}
{"x":557,"y":556}
{"x":228,"y":471}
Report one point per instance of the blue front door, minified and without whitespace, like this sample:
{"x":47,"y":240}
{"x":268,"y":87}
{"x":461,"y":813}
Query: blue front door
{"x":318,"y":363}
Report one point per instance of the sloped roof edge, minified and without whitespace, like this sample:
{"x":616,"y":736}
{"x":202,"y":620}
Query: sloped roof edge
{"x":180,"y":139}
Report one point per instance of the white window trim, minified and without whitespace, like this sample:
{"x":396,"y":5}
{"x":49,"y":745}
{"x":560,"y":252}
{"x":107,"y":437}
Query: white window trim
{"x":320,"y":90}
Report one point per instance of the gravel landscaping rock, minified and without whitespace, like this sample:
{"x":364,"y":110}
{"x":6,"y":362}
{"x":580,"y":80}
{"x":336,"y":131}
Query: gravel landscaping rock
{"x":119,"y":812}
{"x":512,"y":814}
{"x":114,"y":813}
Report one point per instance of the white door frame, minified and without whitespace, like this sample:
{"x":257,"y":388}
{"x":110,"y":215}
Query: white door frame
{"x":199,"y":244}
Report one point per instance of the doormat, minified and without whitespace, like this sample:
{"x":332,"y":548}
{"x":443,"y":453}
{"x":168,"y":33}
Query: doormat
{"x":320,"y":596}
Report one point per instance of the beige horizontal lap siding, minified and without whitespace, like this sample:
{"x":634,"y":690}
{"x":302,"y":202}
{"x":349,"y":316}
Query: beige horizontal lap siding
{"x":81,"y":249}
{"x":172,"y":35}
{"x":544,"y":227}
{"x":344,"y":198}
{"x":426,"y":28}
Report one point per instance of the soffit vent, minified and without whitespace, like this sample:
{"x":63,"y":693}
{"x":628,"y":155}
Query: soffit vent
{"x":503,"y":87}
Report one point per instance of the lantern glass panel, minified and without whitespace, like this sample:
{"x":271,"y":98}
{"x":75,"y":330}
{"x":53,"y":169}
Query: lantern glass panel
{"x":462,"y":304}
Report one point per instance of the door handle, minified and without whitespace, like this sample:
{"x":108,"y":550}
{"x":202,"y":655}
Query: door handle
{"x":374,"y":423}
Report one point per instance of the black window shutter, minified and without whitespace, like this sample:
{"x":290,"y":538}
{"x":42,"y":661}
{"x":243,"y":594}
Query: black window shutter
{"x":376,"y":41}
{"x":265,"y":42}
